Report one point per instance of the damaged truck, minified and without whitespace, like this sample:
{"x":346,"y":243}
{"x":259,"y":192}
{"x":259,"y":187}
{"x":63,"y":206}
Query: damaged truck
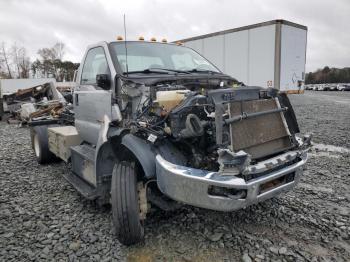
{"x":158,"y":124}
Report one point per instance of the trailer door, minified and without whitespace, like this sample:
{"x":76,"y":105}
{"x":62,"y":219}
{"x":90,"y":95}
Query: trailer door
{"x":293,"y":52}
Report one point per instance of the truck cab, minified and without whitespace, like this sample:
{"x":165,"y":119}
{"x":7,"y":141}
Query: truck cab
{"x":158,"y":124}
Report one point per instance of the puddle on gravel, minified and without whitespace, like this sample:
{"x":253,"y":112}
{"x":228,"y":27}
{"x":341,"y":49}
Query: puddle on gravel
{"x":317,"y":250}
{"x":330,"y":151}
{"x":330,"y":148}
{"x":325,"y":154}
{"x":140,"y":256}
{"x":144,"y":254}
{"x":314,"y":188}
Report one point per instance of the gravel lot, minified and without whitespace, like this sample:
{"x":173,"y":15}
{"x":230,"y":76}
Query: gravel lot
{"x":42,"y":217}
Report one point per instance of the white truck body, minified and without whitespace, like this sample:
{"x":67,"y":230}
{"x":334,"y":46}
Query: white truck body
{"x":269,"y":54}
{"x":177,"y":134}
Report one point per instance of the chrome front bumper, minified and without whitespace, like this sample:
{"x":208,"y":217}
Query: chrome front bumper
{"x":190,"y":185}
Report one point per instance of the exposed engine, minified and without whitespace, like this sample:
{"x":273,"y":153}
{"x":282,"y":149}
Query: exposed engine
{"x":192,"y":117}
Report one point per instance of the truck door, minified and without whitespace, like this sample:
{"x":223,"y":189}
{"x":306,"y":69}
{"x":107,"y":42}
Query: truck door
{"x":92,"y":103}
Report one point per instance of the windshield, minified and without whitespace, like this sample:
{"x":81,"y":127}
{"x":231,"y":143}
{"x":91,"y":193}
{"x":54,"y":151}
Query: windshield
{"x":143,"y":56}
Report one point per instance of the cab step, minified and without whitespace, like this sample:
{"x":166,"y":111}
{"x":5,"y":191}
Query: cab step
{"x":85,"y":189}
{"x":82,"y":176}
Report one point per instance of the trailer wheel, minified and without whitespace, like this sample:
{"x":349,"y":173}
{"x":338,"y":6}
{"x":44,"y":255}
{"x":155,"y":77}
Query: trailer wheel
{"x":40,"y":145}
{"x":125,"y":204}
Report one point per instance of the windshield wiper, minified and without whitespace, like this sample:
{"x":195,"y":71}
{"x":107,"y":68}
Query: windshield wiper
{"x":146,"y":71}
{"x":159,"y":70}
{"x":156,"y":70}
{"x":195,"y":70}
{"x":171,"y":70}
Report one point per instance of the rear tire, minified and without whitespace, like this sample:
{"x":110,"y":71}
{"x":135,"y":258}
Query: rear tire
{"x":40,"y":145}
{"x":125,"y":204}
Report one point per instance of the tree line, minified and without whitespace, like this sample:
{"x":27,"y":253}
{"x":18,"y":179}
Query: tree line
{"x":15,"y":63}
{"x":328,"y":75}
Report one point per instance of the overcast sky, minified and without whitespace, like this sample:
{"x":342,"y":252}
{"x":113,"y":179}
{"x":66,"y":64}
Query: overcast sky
{"x":78,"y":23}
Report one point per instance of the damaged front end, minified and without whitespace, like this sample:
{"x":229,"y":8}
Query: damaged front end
{"x":216,"y":146}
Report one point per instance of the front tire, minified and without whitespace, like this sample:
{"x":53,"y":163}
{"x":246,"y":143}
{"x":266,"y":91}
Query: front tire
{"x":125,"y":204}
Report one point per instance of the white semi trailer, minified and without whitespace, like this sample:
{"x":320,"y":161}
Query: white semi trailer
{"x":269,"y":54}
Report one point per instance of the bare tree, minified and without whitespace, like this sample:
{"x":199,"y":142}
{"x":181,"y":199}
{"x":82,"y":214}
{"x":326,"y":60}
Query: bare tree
{"x":53,"y":53}
{"x":6,"y":58}
{"x":20,"y":61}
{"x":23,"y":63}
{"x":59,"y":49}
{"x":14,"y":55}
{"x":36,"y":68}
{"x":47,"y":54}
{"x":51,"y":61}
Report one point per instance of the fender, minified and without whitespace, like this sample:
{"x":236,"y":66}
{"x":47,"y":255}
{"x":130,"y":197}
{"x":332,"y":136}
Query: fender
{"x":143,"y":152}
{"x":104,"y":158}
{"x":110,"y":139}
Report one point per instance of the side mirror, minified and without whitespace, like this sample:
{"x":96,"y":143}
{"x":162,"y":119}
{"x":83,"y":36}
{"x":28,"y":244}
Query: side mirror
{"x":103,"y":81}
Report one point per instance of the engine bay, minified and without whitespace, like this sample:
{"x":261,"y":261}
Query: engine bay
{"x":197,"y":118}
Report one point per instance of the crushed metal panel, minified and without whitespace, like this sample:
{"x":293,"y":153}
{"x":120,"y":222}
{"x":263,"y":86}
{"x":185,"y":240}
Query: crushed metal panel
{"x":258,"y":136}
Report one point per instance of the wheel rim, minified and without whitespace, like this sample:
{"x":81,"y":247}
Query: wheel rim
{"x":36,"y":145}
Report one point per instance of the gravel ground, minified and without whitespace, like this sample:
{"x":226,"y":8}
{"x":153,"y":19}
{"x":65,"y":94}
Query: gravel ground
{"x":325,"y":114}
{"x":43,"y":218}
